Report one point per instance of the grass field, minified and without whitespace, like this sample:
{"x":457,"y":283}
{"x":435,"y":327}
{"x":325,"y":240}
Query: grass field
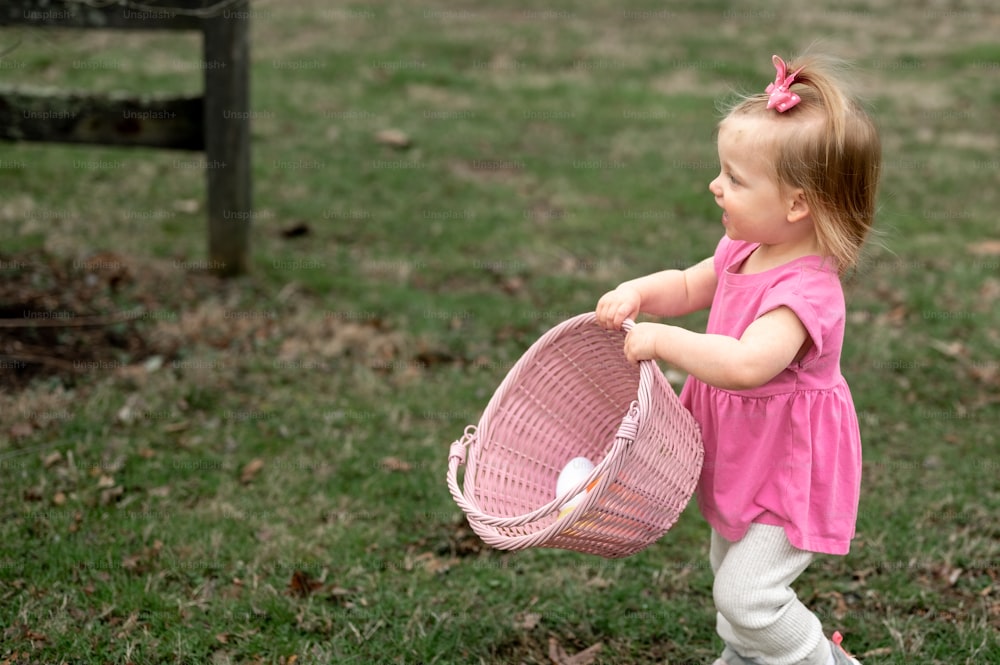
{"x":253,"y":471}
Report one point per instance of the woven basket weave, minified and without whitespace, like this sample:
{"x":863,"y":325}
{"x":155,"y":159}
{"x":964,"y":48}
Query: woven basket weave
{"x":574,"y":394}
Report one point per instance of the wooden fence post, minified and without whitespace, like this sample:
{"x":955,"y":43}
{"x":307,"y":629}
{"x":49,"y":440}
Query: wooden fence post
{"x":218,"y":122}
{"x":227,"y":138}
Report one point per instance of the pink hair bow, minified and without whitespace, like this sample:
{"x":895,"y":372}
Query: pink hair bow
{"x":779,"y":96}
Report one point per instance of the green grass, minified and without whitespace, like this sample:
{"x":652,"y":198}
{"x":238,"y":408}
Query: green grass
{"x":555,"y":153}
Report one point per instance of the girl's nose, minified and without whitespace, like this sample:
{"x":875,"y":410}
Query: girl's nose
{"x":715,"y":187}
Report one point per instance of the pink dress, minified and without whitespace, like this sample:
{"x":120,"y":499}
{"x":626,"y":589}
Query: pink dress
{"x":787,"y":453}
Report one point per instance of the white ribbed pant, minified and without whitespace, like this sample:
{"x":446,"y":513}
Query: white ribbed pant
{"x":759,"y":615}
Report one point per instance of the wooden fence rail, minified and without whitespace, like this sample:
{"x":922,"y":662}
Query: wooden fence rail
{"x":217,"y":123}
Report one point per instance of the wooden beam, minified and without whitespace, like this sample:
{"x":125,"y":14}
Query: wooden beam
{"x":68,"y":14}
{"x":218,"y":122}
{"x":227,"y":139}
{"x":63,"y":117}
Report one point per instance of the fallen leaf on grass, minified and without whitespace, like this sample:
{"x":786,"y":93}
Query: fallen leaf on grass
{"x":881,"y":651}
{"x":396,"y":464}
{"x":527,"y":620}
{"x":302,"y":585}
{"x":139,"y":562}
{"x":21,"y":430}
{"x":111,"y":495}
{"x":339,"y":593}
{"x":77,"y":520}
{"x":250,"y":470}
{"x":984,"y":248}
{"x":602,"y":583}
{"x":952,"y":349}
{"x":296,"y":230}
{"x":394,"y":138}
{"x":35,"y":636}
{"x":432,"y":563}
{"x":840,"y":604}
{"x":558,"y":655}
{"x":186,"y":205}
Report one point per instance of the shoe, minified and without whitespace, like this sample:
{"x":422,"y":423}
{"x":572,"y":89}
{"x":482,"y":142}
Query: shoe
{"x":730,"y":657}
{"x":840,"y":656}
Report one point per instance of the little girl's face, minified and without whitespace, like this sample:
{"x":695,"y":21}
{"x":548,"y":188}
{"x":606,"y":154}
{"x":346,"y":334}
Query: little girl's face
{"x":755,"y":207}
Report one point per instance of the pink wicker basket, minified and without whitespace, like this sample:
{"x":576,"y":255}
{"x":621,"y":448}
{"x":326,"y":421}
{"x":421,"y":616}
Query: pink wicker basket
{"x":573,"y":394}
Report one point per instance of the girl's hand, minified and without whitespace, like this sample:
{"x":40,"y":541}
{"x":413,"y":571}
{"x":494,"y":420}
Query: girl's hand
{"x":616,"y":306}
{"x":640,"y":343}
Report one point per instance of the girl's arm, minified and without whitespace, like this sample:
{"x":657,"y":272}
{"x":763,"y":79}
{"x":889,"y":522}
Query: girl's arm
{"x":665,"y":293}
{"x":767,"y":347}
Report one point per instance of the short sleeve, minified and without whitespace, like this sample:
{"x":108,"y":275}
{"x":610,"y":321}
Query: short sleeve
{"x":817,"y":299}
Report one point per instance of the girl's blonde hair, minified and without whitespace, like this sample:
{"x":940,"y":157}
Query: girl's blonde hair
{"x":828,"y":146}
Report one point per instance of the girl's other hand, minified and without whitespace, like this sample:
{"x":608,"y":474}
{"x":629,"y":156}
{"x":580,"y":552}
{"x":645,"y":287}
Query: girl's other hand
{"x":616,"y":306}
{"x":640,"y":343}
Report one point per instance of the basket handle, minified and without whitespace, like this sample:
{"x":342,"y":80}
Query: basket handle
{"x":456,"y":458}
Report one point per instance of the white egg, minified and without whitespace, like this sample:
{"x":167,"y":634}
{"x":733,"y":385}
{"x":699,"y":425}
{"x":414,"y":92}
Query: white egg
{"x":574,"y":473}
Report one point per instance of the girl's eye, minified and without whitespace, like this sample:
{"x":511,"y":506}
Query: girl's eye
{"x":733,"y":179}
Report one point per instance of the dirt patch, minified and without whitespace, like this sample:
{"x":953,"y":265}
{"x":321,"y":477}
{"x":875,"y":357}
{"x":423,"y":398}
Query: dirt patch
{"x":113,"y":314}
{"x":66,"y":318}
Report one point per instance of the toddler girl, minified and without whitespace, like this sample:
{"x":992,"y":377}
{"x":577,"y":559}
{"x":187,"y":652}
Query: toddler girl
{"x":799,"y":170}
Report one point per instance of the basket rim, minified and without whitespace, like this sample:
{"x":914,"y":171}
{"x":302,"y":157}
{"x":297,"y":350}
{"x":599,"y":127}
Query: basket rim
{"x":486,"y":526}
{"x":606,"y":469}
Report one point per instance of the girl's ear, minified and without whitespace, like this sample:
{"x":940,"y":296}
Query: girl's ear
{"x":798,"y":207}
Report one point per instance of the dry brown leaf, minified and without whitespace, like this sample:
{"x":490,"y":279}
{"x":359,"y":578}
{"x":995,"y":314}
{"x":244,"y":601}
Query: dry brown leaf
{"x":111,"y":495}
{"x":186,"y":205}
{"x":433,"y":563}
{"x":337,"y":592}
{"x":52,"y":459}
{"x":394,"y":138}
{"x":251,"y":469}
{"x":953,"y":349}
{"x":558,"y":655}
{"x":881,"y":651}
{"x":984,"y":248}
{"x":840,"y":604}
{"x":138,"y":562}
{"x":396,"y":464}
{"x":21,"y":430}
{"x":302,"y":585}
{"x":35,"y":636}
{"x":949,"y":574}
{"x":527,"y":620}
